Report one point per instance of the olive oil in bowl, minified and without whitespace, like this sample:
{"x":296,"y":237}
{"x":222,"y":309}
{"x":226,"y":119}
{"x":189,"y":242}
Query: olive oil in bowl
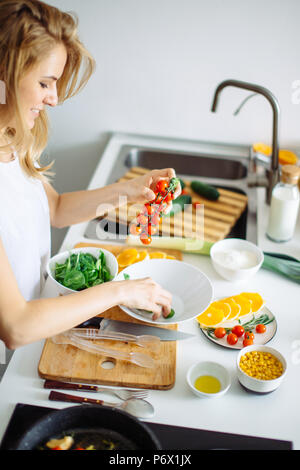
{"x":207,"y":384}
{"x":208,"y":379}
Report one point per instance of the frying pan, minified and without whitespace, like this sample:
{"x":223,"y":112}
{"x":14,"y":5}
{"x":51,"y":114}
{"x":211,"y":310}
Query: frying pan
{"x":89,"y":418}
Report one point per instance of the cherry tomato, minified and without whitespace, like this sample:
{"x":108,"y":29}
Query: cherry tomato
{"x":152,"y":229}
{"x":238,"y":330}
{"x":155,"y":218}
{"x":249,"y":335}
{"x":261,"y":328}
{"x":247,"y":342}
{"x":158,"y":199}
{"x":196,"y":204}
{"x":169,"y":197}
{"x":184,"y":191}
{"x":220,"y":332}
{"x":150,"y":209}
{"x":162,"y":186}
{"x":142,"y":219}
{"x":145,"y":238}
{"x":232,"y":339}
{"x":135,"y":229}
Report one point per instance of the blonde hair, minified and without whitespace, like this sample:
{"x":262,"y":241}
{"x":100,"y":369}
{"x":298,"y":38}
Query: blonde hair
{"x":29,"y":29}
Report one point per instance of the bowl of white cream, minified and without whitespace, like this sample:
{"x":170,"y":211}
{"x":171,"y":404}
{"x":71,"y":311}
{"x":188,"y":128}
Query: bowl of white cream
{"x":236,"y":259}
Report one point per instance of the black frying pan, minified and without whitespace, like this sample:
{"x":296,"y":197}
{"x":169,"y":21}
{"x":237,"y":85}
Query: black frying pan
{"x":115,"y":425}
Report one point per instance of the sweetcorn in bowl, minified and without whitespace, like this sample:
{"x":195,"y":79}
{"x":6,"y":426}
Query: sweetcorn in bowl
{"x":273,"y":373}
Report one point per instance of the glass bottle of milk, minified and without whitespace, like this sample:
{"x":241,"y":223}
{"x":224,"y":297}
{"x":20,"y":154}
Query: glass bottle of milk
{"x":284,"y":205}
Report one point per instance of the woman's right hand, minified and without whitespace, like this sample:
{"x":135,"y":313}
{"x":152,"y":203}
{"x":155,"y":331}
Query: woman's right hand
{"x":146,"y":294}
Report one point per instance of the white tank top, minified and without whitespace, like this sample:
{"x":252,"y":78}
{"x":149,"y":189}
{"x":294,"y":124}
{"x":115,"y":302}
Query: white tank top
{"x":24,"y":227}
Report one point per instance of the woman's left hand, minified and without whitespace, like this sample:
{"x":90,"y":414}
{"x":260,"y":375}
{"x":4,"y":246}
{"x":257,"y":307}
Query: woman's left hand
{"x":141,"y":189}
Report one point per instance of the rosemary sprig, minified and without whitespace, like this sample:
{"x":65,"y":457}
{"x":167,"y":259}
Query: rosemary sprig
{"x":248,"y":326}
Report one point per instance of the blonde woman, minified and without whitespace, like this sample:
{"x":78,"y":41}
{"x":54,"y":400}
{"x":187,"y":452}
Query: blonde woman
{"x":41,"y":58}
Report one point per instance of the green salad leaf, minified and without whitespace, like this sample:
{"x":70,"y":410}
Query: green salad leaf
{"x":82,"y":270}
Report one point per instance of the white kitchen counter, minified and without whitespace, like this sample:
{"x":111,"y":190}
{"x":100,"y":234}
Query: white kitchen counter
{"x":276,"y":415}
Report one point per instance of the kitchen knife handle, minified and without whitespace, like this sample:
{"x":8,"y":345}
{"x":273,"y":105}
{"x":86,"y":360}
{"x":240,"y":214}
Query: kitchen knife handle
{"x":58,"y":396}
{"x":68,"y":386}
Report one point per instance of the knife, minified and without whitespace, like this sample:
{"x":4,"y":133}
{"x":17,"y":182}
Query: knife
{"x":137,"y":329}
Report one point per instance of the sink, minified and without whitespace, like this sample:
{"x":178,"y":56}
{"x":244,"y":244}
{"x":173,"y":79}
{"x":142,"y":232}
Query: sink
{"x":204,"y":166}
{"x":223,"y":170}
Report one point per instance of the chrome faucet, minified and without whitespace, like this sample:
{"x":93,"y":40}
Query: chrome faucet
{"x":273,"y":172}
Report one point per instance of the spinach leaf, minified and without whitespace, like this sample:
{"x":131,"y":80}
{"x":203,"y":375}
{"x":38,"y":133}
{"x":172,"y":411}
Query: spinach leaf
{"x":171,"y":314}
{"x":74,"y":280}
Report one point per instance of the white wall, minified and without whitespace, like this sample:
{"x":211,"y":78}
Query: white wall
{"x":158,"y":63}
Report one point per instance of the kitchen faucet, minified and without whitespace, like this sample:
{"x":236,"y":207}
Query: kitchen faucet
{"x":273,"y":171}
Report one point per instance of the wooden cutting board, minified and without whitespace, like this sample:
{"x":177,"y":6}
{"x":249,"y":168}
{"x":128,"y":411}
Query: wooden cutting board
{"x":69,"y":364}
{"x":218,"y":216}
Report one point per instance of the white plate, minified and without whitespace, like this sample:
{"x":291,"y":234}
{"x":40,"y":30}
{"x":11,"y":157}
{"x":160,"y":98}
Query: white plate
{"x":260,"y":338}
{"x":190,"y":288}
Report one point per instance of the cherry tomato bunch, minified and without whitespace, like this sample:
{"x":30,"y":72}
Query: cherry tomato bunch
{"x":147,"y":222}
{"x":237,"y":332}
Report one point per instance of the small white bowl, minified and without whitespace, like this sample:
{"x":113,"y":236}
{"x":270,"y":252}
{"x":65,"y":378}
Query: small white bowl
{"x":209,"y":368}
{"x":258,"y":385}
{"x":231,"y":245}
{"x":111,"y":263}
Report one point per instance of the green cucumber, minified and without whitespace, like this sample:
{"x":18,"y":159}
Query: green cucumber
{"x":205,"y":190}
{"x":178,"y":204}
{"x":182,"y":183}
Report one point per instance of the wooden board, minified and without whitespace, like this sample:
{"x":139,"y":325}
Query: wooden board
{"x":212,"y":221}
{"x":69,"y":364}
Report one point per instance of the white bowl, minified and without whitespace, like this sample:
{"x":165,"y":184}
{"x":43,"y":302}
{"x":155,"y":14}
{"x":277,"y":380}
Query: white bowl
{"x":209,"y":368}
{"x":190,"y":288}
{"x":258,"y":385}
{"x":228,"y":248}
{"x":111,"y":263}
